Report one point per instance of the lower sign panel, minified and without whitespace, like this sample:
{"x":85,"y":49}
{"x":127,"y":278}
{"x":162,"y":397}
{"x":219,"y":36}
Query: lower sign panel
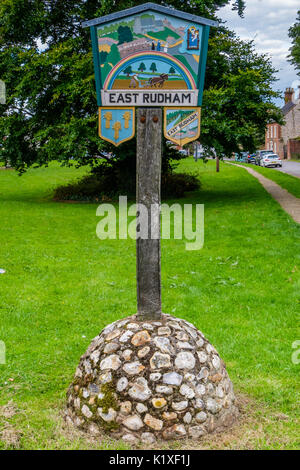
{"x":182,"y":125}
{"x":116,"y":125}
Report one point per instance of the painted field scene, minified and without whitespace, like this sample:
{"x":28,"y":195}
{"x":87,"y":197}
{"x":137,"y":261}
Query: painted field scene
{"x":126,"y":83}
{"x":168,"y":40}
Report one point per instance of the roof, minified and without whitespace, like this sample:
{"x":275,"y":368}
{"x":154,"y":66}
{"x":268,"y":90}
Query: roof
{"x":153,"y":7}
{"x":287,"y":107}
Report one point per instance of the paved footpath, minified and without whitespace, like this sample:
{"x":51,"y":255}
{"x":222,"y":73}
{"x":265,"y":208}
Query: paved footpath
{"x":290,"y":203}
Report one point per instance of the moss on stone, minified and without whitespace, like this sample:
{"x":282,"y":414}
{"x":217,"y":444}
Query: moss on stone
{"x":108,"y":425}
{"x":109,"y":399}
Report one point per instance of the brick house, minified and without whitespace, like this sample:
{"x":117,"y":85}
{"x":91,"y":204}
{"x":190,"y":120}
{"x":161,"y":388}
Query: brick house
{"x":285,"y":140}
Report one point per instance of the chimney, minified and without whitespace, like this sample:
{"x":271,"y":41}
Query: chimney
{"x":289,"y":95}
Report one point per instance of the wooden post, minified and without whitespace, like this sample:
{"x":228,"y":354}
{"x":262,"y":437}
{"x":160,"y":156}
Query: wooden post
{"x":217,"y":164}
{"x":149,"y":137}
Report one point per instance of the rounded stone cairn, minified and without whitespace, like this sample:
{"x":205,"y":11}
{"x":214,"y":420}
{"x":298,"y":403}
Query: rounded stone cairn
{"x":151,"y":380}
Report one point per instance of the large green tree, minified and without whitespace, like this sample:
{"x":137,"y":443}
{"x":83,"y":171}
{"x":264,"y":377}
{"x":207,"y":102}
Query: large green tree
{"x":238,"y":96}
{"x":51,"y":110}
{"x":294,"y":34}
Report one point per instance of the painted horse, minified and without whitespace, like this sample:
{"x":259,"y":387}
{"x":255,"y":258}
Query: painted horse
{"x":158,"y":82}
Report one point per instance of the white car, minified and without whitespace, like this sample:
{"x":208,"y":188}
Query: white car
{"x":271,"y":159}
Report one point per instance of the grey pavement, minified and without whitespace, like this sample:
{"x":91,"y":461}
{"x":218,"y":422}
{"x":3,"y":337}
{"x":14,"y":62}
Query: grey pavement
{"x":292,"y":168}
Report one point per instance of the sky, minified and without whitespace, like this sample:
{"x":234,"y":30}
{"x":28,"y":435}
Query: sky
{"x":267,"y":22}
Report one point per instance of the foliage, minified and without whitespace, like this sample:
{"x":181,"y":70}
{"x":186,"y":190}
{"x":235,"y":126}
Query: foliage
{"x":124,"y":34}
{"x":142,"y":67}
{"x":51,"y":110}
{"x":153,"y":67}
{"x":128,"y":70}
{"x":114,"y":55}
{"x":178,"y":184}
{"x":94,"y":188}
{"x":238,"y":104}
{"x":115,"y":176}
{"x":294,"y":34}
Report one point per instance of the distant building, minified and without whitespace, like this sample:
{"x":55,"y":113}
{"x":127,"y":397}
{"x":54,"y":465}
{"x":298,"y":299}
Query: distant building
{"x":285,"y":140}
{"x":148,"y":23}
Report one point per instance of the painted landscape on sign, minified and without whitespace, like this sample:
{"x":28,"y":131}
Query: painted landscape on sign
{"x":149,"y":51}
{"x":182,"y":125}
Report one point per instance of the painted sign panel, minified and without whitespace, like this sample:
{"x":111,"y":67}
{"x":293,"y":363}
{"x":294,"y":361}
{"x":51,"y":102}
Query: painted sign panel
{"x":182,"y":125}
{"x":149,"y":56}
{"x":149,"y":51}
{"x":116,"y":125}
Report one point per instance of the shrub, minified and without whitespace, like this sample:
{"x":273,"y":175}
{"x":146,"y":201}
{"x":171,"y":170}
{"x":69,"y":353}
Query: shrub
{"x":94,"y":188}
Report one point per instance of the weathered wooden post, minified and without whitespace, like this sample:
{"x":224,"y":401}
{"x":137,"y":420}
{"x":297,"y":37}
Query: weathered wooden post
{"x":150,"y":375}
{"x":149,"y":136}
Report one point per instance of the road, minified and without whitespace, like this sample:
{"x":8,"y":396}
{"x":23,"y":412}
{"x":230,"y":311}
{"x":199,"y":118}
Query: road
{"x":292,"y":168}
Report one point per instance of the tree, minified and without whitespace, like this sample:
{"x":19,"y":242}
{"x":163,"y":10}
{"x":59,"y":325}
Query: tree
{"x":153,"y":67}
{"x":124,"y":34}
{"x":239,"y":101}
{"x":294,"y":34}
{"x":103,"y":56}
{"x":114,"y":55}
{"x":172,"y":70}
{"x":142,"y":67}
{"x":128,"y":70}
{"x":51,"y":110}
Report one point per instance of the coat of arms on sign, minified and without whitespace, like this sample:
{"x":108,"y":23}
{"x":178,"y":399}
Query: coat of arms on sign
{"x":182,"y":125}
{"x":116,"y":125}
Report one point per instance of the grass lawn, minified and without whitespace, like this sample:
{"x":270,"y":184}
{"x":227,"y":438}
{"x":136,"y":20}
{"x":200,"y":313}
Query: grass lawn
{"x":288,"y":182}
{"x":63,"y":285}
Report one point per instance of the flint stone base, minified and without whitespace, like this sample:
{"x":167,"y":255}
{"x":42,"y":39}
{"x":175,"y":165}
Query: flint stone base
{"x":150,"y":380}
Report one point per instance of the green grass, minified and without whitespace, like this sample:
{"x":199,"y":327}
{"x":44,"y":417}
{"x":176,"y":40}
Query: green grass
{"x":63,"y":285}
{"x":288,"y":182}
{"x":163,"y":34}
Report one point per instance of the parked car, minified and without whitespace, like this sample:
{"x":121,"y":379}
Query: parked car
{"x":242,"y":157}
{"x":260,"y":154}
{"x":270,"y":159}
{"x":251,"y":157}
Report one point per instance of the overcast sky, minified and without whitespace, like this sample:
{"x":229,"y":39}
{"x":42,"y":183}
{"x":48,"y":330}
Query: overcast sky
{"x":268,"y":22}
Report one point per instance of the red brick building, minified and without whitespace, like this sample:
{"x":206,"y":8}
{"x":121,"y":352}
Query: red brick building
{"x":285,"y":140}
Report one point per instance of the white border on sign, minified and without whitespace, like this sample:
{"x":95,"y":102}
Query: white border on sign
{"x":149,"y":98}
